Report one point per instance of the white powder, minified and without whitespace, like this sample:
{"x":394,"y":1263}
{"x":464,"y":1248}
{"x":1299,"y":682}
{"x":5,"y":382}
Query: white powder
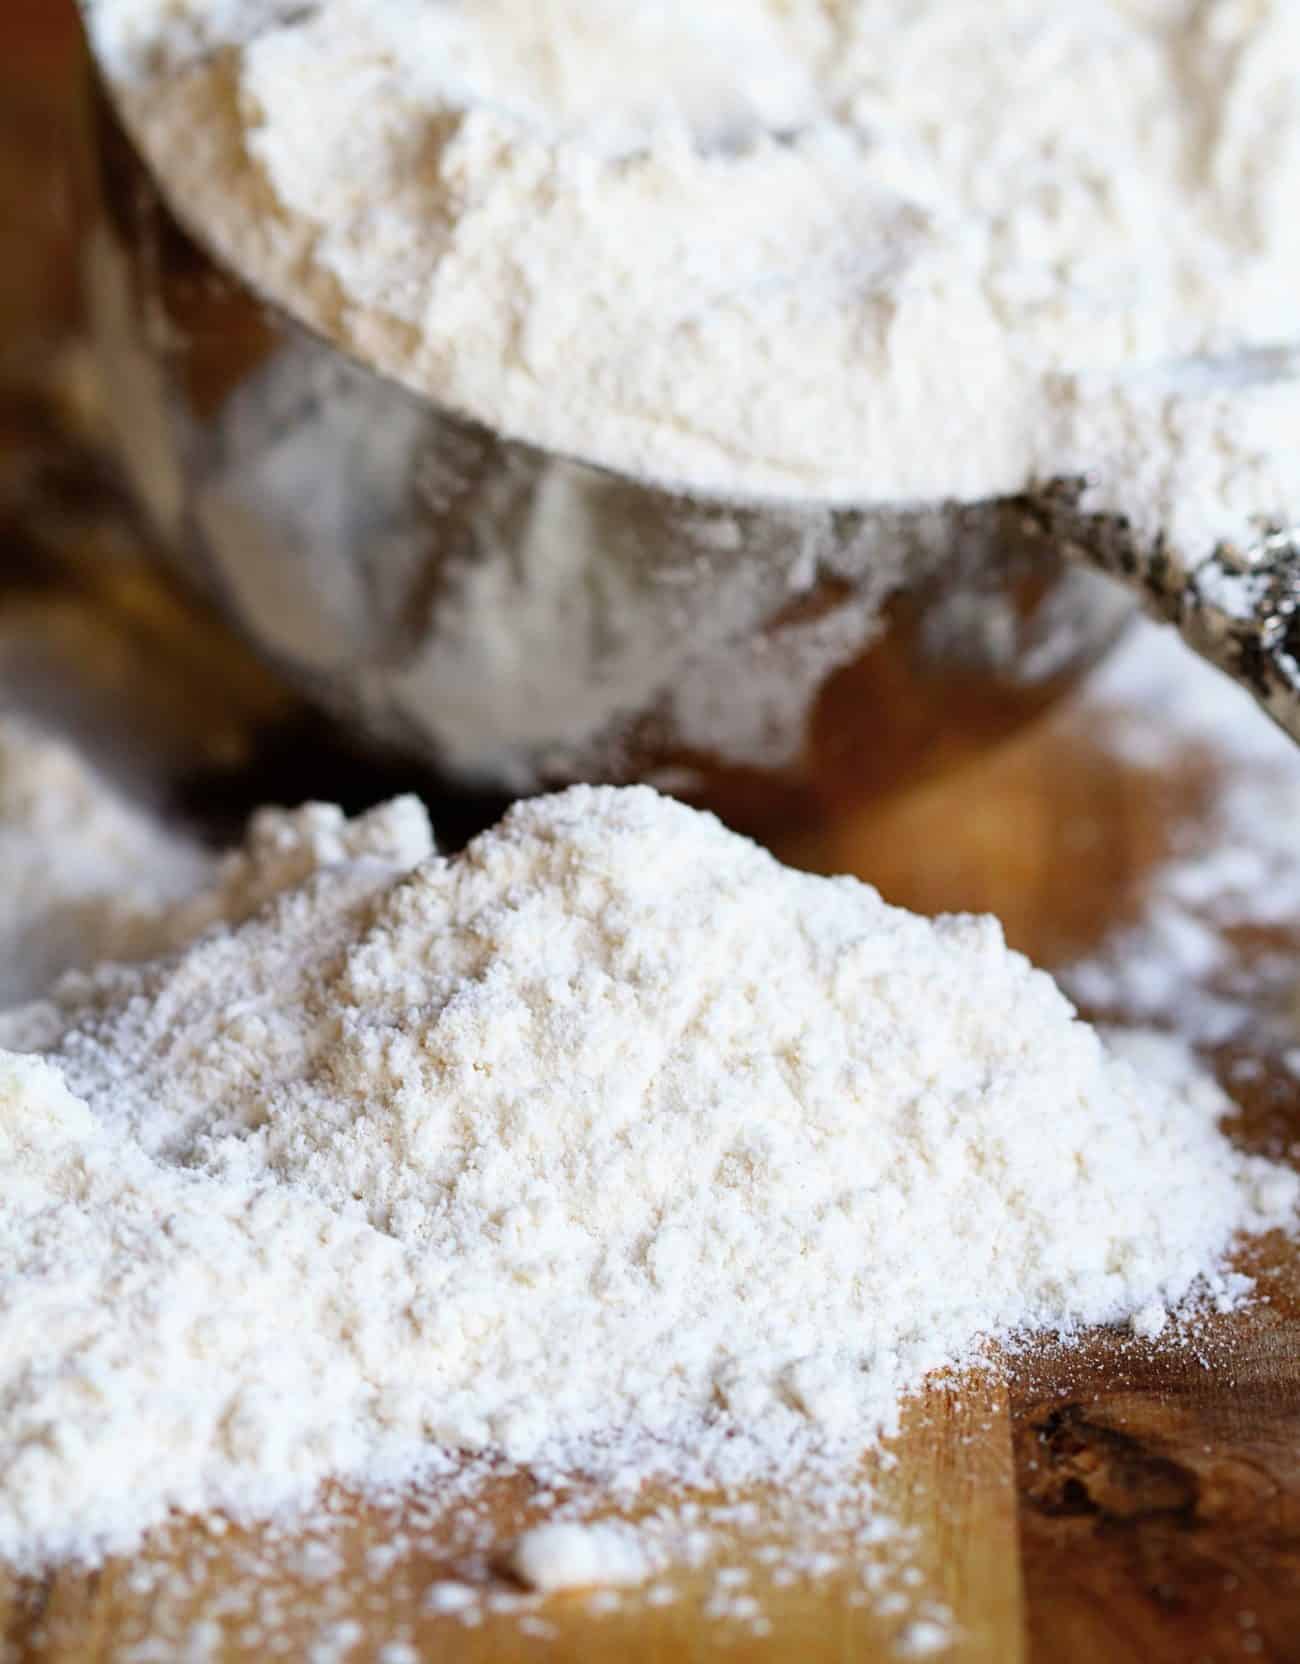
{"x":610,"y":1146}
{"x":92,"y":875}
{"x":1207,"y":955}
{"x":451,"y":1597}
{"x":881,"y":251}
{"x":822,"y":252}
{"x":567,"y":1554}
{"x":924,"y":1637}
{"x":88,"y":875}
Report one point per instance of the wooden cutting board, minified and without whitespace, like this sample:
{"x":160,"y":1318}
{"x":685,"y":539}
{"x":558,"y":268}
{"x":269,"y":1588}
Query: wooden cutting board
{"x":1117,"y":1502}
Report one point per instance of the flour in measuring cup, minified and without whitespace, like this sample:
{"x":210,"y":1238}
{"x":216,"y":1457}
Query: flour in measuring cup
{"x":878,"y":252}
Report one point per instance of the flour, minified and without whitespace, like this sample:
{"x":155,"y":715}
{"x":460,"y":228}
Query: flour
{"x":569,"y":1555}
{"x":782,"y":257}
{"x":879,"y":252}
{"x":88,"y":875}
{"x":1203,"y":957}
{"x":608,"y":1147}
{"x":92,"y":875}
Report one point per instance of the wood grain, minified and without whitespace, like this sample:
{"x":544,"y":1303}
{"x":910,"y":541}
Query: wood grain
{"x":1160,"y":1491}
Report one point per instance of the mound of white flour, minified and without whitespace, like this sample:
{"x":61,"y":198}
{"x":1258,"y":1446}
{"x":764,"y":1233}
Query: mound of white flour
{"x":610,"y":1145}
{"x":87,"y":873}
{"x":880,"y":251}
{"x":92,"y":874}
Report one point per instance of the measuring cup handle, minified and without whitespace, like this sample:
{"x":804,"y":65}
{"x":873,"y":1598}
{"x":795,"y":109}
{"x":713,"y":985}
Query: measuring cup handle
{"x":1239,"y":607}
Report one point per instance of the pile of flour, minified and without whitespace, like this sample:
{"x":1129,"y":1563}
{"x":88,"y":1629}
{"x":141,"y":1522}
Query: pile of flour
{"x":88,"y":873}
{"x":610,"y":1146}
{"x":866,"y":250}
{"x":92,"y":874}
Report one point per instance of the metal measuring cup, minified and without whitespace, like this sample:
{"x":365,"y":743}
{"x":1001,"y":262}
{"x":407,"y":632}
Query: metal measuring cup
{"x":521,"y":619}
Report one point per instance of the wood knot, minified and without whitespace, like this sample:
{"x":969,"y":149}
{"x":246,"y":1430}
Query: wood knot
{"x":1073,"y":1466}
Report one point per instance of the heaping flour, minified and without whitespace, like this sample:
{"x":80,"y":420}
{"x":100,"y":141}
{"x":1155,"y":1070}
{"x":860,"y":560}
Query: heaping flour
{"x":87,"y":873}
{"x":852,"y":250}
{"x":609,"y":1146}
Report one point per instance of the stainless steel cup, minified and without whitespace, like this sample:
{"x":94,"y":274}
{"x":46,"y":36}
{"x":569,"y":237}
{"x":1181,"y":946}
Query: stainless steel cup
{"x":521,"y":619}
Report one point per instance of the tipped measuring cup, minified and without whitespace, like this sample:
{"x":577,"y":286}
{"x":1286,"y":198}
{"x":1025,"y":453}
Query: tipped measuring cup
{"x":520,"y":619}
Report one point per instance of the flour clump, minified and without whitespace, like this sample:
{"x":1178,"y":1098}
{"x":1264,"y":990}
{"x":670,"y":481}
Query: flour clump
{"x":610,"y":1146}
{"x":568,"y":1555}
